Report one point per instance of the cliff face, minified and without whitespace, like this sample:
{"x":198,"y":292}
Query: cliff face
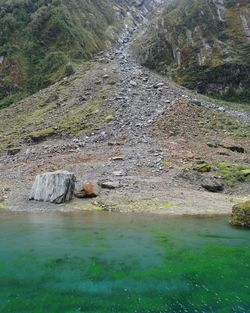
{"x":202,"y":44}
{"x":40,"y":40}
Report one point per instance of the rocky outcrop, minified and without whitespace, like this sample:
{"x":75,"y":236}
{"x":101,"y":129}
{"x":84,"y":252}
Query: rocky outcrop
{"x":55,"y":187}
{"x":203,"y":45}
{"x":85,"y":189}
{"x":241,"y":215}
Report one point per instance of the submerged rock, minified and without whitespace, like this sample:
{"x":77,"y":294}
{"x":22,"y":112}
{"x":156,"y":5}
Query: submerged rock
{"x":55,"y":187}
{"x":85,"y":189}
{"x":241,"y":214}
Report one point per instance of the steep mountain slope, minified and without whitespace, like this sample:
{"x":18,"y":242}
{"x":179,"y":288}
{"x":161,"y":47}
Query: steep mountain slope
{"x":40,"y":40}
{"x":115,"y":121}
{"x":202,"y":44}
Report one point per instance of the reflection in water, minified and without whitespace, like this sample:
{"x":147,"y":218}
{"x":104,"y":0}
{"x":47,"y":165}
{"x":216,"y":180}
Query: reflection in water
{"x":102,"y":262}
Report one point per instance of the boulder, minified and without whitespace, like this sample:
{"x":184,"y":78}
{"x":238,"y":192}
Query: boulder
{"x":85,"y":189}
{"x":55,"y":187}
{"x":212,"y":184}
{"x":241,"y":215}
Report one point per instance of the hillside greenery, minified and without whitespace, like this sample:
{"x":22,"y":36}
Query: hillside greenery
{"x":42,"y":40}
{"x":202,"y":45}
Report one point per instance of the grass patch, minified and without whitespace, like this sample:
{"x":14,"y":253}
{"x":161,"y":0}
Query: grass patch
{"x":167,"y":206}
{"x":85,"y":118}
{"x":90,"y":207}
{"x":109,"y":118}
{"x":230,"y":173}
{"x":224,"y":123}
{"x":41,"y":134}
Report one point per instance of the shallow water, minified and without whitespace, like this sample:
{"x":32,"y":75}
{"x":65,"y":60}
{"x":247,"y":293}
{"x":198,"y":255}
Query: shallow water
{"x":102,"y":262}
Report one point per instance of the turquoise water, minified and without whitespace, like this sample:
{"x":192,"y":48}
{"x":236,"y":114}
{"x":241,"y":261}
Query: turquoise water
{"x":102,"y":262}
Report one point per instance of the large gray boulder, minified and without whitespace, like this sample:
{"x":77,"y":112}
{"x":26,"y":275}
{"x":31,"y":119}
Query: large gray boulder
{"x":55,"y":187}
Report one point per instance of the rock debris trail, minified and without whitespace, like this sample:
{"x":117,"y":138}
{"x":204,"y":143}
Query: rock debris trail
{"x":123,"y":154}
{"x":141,"y":99}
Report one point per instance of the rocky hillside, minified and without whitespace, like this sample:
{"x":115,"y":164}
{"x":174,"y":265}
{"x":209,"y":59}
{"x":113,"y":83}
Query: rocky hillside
{"x":201,"y":44}
{"x":42,"y":41}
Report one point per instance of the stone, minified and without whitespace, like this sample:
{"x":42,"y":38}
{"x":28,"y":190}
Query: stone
{"x":109,"y":184}
{"x":52,"y":98}
{"x":115,"y":143}
{"x":83,"y":98}
{"x":13,"y":151}
{"x":212,"y":184}
{"x":69,"y":70}
{"x":117,"y":158}
{"x":203,"y":167}
{"x":213,"y":144}
{"x":234,"y":148}
{"x":196,"y":102}
{"x":85,"y":189}
{"x":133,"y":83}
{"x":55,"y":187}
{"x":118,"y":173}
{"x":241,"y":215}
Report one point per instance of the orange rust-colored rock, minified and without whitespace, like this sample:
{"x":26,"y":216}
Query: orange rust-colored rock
{"x":86,"y":190}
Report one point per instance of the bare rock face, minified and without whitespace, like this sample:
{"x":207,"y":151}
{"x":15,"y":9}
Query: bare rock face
{"x":85,"y":189}
{"x":55,"y":187}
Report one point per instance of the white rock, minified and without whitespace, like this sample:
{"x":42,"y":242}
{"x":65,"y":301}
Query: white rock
{"x":55,"y":187}
{"x":133,"y":83}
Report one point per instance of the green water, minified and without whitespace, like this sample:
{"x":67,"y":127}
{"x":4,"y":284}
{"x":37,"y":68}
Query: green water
{"x":101,"y":262}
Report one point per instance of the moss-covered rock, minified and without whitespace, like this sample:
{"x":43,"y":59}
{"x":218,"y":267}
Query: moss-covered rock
{"x":204,"y":167}
{"x":241,"y":214}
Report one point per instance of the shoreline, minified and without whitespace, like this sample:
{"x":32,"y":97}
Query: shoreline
{"x":189,"y":203}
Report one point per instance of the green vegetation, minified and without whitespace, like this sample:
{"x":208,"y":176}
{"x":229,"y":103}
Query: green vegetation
{"x":42,"y":134}
{"x":42,"y":40}
{"x":230,"y":173}
{"x":85,"y":118}
{"x":223,"y":123}
{"x":201,"y":47}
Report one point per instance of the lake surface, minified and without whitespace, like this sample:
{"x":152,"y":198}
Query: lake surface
{"x":106,"y":262}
